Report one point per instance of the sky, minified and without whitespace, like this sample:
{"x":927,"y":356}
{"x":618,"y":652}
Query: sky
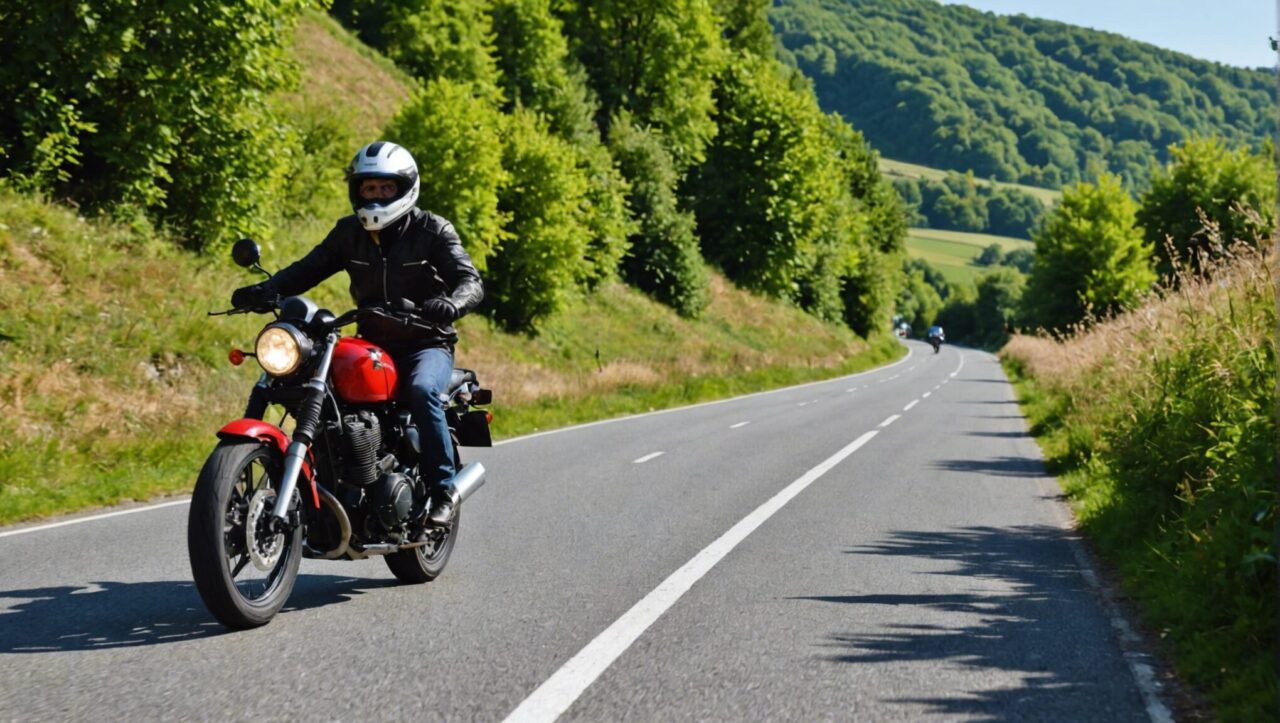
{"x":1234,"y":32}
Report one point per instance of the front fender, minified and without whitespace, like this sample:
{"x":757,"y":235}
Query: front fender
{"x":269,"y":433}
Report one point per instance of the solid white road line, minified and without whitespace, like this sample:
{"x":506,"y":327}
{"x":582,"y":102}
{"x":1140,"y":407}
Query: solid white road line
{"x":91,"y":518}
{"x":739,"y":424}
{"x":559,"y":691}
{"x":648,"y":457}
{"x":890,"y":420}
{"x":912,"y":404}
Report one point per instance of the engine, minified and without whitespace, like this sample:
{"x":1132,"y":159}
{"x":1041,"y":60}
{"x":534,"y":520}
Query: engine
{"x":363,"y":435}
{"x":383,"y":490}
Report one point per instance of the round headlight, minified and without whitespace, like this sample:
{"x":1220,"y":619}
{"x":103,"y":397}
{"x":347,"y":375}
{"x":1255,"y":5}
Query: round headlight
{"x":281,"y":349}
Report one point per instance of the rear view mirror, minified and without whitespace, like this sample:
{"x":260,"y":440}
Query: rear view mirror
{"x":245,"y":252}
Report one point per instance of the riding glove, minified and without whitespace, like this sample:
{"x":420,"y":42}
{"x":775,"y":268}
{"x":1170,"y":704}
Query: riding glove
{"x":255,"y":296}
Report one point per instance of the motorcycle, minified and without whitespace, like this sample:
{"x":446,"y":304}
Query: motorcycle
{"x":343,"y":485}
{"x":935,"y":342}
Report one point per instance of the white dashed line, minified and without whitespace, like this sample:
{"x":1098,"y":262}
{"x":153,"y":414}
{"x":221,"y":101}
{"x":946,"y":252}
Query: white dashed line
{"x":648,"y":457}
{"x":739,"y":424}
{"x":850,"y":389}
{"x":890,"y":420}
{"x":912,"y":404}
{"x":925,"y":395}
{"x":558,"y":692}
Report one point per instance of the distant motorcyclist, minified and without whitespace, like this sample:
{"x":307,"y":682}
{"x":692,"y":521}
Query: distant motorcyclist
{"x":391,"y":250}
{"x":936,"y":337}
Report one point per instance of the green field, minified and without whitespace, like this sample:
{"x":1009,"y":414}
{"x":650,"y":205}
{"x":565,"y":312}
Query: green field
{"x":953,"y":252}
{"x":901,"y":169}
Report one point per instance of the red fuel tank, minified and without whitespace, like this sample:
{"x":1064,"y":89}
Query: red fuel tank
{"x":362,"y":373}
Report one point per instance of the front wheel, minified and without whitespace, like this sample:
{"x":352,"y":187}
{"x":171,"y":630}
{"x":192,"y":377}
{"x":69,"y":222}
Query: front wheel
{"x":243,"y":570}
{"x":424,"y":564}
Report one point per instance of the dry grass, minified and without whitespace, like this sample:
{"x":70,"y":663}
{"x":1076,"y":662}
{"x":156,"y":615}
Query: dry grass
{"x":1161,"y":423}
{"x":1127,"y":343}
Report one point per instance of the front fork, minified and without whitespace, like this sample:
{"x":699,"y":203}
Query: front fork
{"x":307,"y":421}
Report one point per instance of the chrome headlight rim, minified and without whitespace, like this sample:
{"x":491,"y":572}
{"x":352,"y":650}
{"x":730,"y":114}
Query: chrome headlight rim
{"x":289,"y":351}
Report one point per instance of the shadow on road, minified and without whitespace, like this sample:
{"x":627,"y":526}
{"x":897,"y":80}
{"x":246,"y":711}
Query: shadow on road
{"x":1038,"y":624}
{"x":107,"y":615}
{"x":999,"y":466}
{"x":1005,"y":435}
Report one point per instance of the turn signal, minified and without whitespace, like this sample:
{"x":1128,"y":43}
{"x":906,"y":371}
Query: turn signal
{"x":236,"y":357}
{"x":488,"y":417}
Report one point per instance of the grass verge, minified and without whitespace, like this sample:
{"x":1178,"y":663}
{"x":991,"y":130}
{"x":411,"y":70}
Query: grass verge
{"x":1160,"y":425}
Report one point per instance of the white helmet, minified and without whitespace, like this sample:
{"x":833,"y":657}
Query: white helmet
{"x":382,"y":160}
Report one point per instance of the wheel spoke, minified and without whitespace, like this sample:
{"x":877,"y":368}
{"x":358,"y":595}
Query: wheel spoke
{"x":244,"y":560}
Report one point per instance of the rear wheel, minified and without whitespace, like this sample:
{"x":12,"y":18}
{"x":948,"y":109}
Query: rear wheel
{"x":424,"y":564}
{"x":243,"y":570}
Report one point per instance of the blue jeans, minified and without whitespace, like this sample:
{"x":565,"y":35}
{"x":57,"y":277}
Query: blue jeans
{"x":424,"y":385}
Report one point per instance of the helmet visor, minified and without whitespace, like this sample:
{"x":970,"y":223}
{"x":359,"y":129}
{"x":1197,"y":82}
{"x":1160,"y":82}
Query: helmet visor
{"x":377,"y":190}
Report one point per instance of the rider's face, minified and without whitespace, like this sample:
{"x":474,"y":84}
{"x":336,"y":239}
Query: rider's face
{"x":373,"y":189}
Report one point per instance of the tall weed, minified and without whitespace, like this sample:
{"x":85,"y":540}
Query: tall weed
{"x":1162,"y":421}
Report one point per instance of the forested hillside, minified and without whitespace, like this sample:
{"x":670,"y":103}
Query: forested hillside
{"x":1011,"y":97}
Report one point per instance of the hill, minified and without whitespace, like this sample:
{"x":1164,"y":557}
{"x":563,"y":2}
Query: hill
{"x":115,"y":381}
{"x":1016,"y":99}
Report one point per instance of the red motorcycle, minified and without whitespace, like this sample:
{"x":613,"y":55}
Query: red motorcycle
{"x":342,"y":485}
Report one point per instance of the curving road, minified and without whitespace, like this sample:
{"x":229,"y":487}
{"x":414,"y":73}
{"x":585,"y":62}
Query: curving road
{"x":876,"y":547}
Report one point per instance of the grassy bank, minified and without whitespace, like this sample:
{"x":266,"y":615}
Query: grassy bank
{"x":1161,"y":425}
{"x":113,"y":379}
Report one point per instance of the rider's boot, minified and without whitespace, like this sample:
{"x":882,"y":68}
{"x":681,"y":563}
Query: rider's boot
{"x":444,"y":504}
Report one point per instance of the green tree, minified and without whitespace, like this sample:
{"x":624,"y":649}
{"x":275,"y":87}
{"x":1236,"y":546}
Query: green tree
{"x":456,"y":136}
{"x":664,"y":260}
{"x":1207,"y":197}
{"x":150,"y":105}
{"x":996,"y":310}
{"x":1090,"y":257}
{"x":771,"y":200}
{"x":990,"y":256}
{"x":544,"y":253}
{"x":538,"y":73}
{"x":654,"y":58}
{"x":918,"y":302}
{"x":429,"y":38}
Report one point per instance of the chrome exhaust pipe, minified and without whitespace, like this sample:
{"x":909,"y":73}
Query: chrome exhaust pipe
{"x":468,"y":480}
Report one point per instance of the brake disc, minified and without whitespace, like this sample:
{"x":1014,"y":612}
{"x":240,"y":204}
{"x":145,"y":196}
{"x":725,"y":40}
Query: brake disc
{"x":264,"y":548}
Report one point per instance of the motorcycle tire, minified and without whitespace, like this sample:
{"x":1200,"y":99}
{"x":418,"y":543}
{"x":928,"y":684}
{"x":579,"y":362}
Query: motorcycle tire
{"x":217,"y":541}
{"x":424,"y":564}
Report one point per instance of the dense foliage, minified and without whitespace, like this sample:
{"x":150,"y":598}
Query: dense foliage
{"x":151,"y":106}
{"x":1206,"y":198}
{"x":1090,"y":257}
{"x":959,"y":203}
{"x":1012,"y":97}
{"x":664,"y":259}
{"x":660,"y":108}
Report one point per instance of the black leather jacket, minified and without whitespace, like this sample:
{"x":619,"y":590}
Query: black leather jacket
{"x":417,"y":258}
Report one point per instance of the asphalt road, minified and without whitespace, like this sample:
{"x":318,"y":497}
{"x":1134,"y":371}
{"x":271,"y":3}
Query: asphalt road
{"x":878,"y":547}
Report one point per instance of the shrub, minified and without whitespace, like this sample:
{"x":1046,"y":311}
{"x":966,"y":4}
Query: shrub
{"x":664,"y":260}
{"x":455,"y":135}
{"x":544,"y":252}
{"x":150,"y":106}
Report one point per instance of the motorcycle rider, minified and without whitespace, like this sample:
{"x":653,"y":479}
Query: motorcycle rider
{"x":392,"y":250}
